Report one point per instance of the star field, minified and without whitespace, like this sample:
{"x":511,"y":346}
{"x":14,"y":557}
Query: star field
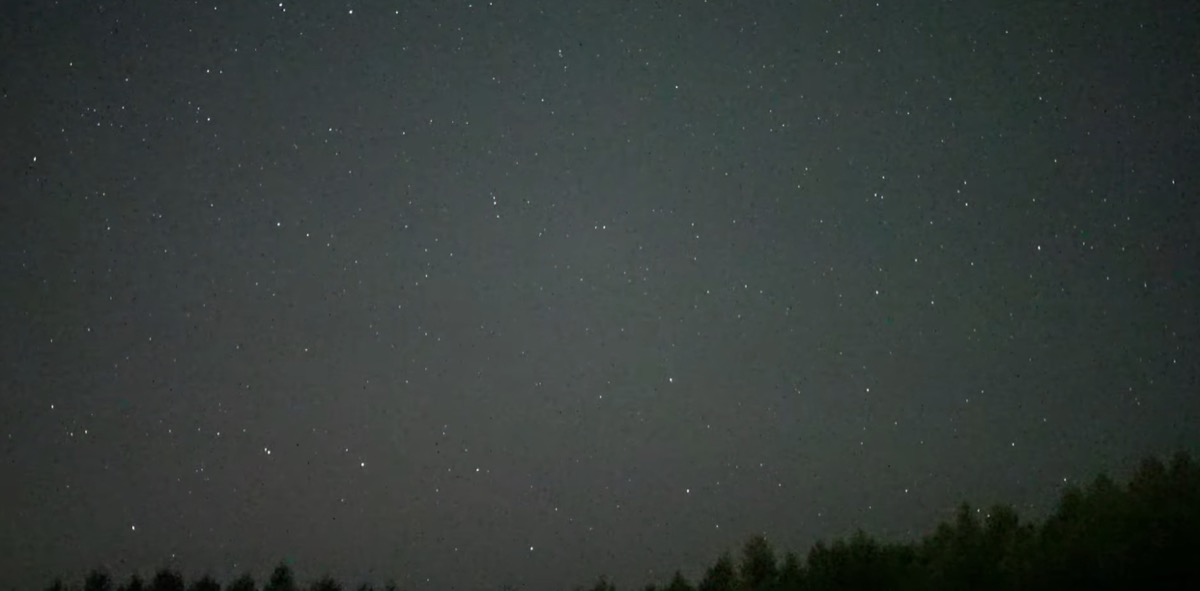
{"x":477,"y":293}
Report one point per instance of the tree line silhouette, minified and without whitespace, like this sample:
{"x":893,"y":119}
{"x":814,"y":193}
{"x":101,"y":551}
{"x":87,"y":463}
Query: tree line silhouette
{"x":1144,"y":535}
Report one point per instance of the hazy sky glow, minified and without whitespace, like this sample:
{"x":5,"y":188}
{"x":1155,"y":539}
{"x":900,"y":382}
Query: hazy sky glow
{"x":474,"y":293}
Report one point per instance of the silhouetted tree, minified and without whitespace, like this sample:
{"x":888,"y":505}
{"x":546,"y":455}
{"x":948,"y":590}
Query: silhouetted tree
{"x":134,"y":584}
{"x":954,"y":555}
{"x":1167,"y":503}
{"x":167,"y":580}
{"x":281,"y":579}
{"x":205,"y":583}
{"x":720,"y":576}
{"x":825,"y":567}
{"x":759,"y":568}
{"x":603,"y":584}
{"x":791,"y":574}
{"x":326,"y":583}
{"x":1104,"y":536}
{"x":245,"y":582}
{"x":1184,"y":516}
{"x":1007,"y":547}
{"x":679,"y":583}
{"x":97,"y":580}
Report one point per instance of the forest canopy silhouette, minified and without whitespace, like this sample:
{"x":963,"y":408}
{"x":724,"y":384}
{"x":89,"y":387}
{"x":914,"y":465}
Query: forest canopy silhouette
{"x":1143,"y":535}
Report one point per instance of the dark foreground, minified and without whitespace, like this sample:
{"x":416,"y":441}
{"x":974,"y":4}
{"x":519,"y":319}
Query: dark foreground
{"x":1141,"y":535}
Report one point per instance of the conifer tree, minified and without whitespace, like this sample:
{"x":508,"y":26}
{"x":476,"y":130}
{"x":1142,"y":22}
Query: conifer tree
{"x":205,"y":583}
{"x":167,"y":580}
{"x":759,"y":567}
{"x":245,"y":582}
{"x":97,"y":580}
{"x":281,"y":579}
{"x":679,"y":583}
{"x":721,"y":576}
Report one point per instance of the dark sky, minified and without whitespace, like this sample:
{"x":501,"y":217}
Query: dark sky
{"x":481,"y":293}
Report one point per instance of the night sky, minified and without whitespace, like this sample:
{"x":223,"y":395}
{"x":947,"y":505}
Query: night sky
{"x":478,"y":293}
